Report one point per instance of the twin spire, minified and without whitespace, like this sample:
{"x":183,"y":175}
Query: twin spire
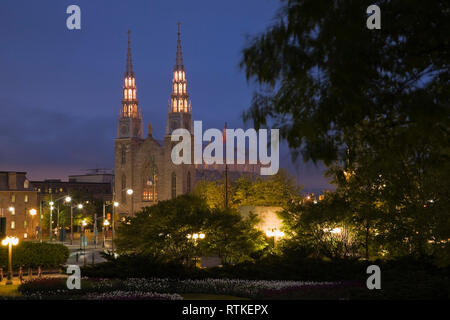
{"x":179,"y":99}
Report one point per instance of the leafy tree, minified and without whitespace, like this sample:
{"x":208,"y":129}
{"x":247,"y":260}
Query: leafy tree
{"x":212,"y":192}
{"x":372,"y":104}
{"x":162,"y":230}
{"x":233,"y":238}
{"x":276,"y":190}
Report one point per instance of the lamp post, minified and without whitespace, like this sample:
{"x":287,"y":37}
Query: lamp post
{"x":10,"y":241}
{"x":106,"y":223}
{"x":67,"y":199}
{"x":115,"y":205}
{"x":195,"y":237}
{"x":275,"y":234}
{"x":33,"y":212}
{"x":79,"y":206}
{"x":50,"y":221}
{"x":130,"y":193}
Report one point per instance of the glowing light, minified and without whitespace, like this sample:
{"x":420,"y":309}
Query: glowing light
{"x":116,"y":204}
{"x":80,"y":206}
{"x":201,"y":236}
{"x":11,"y":209}
{"x":84,"y":223}
{"x":274,"y":233}
{"x":33,"y":212}
{"x":336,"y":230}
{"x":106,"y":223}
{"x":130,"y":192}
{"x":51,"y":203}
{"x":10,"y":240}
{"x":68,"y":199}
{"x":195,"y":236}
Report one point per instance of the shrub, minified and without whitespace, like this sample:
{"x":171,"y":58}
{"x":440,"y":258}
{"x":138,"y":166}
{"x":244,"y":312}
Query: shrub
{"x":33,"y":254}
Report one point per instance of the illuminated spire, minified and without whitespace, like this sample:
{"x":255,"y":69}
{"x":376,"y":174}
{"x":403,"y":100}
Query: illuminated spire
{"x":129,"y":72}
{"x":179,"y":99}
{"x":129,"y":101}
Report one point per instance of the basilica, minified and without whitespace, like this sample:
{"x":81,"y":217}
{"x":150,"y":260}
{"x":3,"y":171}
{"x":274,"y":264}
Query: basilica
{"x":142,"y":163}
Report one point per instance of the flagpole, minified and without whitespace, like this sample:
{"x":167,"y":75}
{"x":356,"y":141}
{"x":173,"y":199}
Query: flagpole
{"x":226,"y":170}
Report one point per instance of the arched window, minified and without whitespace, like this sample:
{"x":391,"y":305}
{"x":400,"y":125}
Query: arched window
{"x":124,"y":156}
{"x":149,"y":192}
{"x":188,"y":182}
{"x":174,"y":185}
{"x":124,"y":186}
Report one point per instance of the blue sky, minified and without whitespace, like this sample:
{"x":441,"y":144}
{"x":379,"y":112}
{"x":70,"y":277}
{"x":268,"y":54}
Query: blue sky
{"x":60,"y":90}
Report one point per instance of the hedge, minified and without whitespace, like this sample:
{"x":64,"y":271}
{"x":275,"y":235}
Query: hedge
{"x":34,"y":254}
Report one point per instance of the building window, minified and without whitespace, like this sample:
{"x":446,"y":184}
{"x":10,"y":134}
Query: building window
{"x":13,"y":198}
{"x":26,"y":184}
{"x":124,"y":156}
{"x":149,"y":192}
{"x":25,"y":199}
{"x":189,"y":182}
{"x":174,"y":185}
{"x":124,"y":186}
{"x":13,"y":225}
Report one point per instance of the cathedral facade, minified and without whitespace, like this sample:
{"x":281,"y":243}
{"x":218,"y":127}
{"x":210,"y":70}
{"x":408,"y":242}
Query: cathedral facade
{"x":142,"y":163}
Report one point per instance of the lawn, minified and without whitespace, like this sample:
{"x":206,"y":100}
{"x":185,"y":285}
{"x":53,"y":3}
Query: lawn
{"x":9,"y":291}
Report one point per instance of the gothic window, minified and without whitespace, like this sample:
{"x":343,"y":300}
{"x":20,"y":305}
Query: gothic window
{"x":26,"y":184}
{"x":25,"y":199}
{"x":124,"y":186}
{"x":124,"y":156}
{"x":189,"y":182}
{"x":174,"y":185}
{"x":149,"y":192}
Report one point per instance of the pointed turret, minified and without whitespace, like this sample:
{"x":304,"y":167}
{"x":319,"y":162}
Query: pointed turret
{"x":179,"y":104}
{"x":130,"y":116}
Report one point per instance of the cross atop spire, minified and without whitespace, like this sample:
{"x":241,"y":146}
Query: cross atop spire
{"x":179,"y":59}
{"x":129,"y":72}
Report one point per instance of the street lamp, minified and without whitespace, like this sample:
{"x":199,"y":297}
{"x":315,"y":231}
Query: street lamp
{"x":10,"y":241}
{"x":196,"y":237}
{"x":106,"y":223}
{"x":79,"y":206}
{"x":275,"y":234}
{"x":33,"y":212}
{"x":130,"y":193}
{"x":67,"y":199}
{"x":336,"y":230}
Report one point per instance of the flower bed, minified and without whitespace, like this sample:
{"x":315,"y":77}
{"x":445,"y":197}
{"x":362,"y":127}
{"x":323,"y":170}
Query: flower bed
{"x":170,"y":289}
{"x":252,"y":289}
{"x":132,"y":295}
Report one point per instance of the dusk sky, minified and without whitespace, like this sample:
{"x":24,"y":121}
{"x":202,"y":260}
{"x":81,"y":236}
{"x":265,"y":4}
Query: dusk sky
{"x":61,"y":89}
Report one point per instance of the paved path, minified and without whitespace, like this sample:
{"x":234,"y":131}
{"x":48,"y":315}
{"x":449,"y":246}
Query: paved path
{"x":90,"y":255}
